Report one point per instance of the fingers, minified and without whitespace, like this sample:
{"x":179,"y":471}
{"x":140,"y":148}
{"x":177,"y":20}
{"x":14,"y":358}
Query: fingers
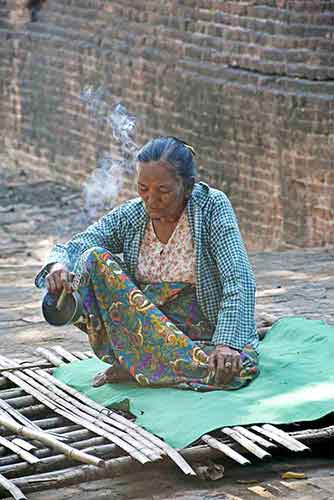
{"x":212,"y":362}
{"x":236,"y":365}
{"x":57,"y":280}
{"x":227,"y":365}
{"x":220,"y":370}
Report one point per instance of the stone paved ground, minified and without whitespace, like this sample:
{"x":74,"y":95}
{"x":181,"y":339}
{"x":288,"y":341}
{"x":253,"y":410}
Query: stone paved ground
{"x":33,"y":215}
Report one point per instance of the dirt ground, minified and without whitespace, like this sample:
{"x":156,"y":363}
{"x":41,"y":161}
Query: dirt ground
{"x":34,"y":214}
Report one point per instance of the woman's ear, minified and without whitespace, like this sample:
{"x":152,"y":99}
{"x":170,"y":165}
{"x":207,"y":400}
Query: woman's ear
{"x":188,"y":186}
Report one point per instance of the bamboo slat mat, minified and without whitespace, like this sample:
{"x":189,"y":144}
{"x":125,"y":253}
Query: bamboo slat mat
{"x":50,"y":435}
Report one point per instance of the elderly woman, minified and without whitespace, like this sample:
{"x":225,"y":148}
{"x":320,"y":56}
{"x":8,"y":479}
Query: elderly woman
{"x":178,"y":310}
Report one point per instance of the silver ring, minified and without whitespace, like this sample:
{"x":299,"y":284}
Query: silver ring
{"x":228,"y":364}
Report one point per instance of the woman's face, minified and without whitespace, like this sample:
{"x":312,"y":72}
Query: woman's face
{"x":161,"y":190}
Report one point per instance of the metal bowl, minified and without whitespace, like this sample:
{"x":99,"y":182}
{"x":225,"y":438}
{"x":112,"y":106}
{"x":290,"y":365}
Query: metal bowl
{"x":70,"y":311}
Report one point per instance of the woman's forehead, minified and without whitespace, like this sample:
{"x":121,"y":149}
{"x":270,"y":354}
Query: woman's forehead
{"x":156,"y":171}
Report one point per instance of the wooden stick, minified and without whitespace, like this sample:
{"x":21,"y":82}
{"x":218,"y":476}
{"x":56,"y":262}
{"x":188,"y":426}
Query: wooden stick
{"x":254,"y":437}
{"x":80,"y":355}
{"x":12,"y":393}
{"x":284,"y":435}
{"x":61,"y":299}
{"x":90,"y":354}
{"x":13,"y":470}
{"x":214,"y":443}
{"x":17,"y":415}
{"x":30,"y":411}
{"x":3,"y":383}
{"x":24,"y":367}
{"x":311,"y":435}
{"x":268,"y":319}
{"x":25,"y":455}
{"x":246,"y":443}
{"x":12,"y":488}
{"x":63,"y":353}
{"x":69,"y":451}
{"x":51,"y":422}
{"x":76,"y":437}
{"x":25,"y":445}
{"x":45,"y":353}
{"x":22,"y":401}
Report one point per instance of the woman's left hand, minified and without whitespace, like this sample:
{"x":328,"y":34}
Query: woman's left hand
{"x":225,"y":362}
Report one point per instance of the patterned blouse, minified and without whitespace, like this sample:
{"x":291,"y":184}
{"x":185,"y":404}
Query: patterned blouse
{"x":171,"y":261}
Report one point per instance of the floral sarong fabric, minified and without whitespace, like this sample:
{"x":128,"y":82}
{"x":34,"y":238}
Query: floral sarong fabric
{"x":155,"y":331}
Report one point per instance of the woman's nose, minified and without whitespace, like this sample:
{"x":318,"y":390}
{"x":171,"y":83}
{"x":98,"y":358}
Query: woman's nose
{"x":152,"y":199}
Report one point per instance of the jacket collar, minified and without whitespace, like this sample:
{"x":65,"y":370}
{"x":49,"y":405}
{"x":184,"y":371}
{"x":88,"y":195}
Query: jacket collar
{"x":200,"y":193}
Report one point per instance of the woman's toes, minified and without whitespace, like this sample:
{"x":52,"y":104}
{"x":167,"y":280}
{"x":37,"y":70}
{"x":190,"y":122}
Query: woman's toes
{"x":99,"y":379}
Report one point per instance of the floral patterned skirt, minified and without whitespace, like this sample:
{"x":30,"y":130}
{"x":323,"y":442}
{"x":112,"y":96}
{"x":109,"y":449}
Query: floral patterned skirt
{"x":156,"y":332}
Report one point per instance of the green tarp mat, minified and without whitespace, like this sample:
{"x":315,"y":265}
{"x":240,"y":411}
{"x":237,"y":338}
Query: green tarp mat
{"x":296,"y":383}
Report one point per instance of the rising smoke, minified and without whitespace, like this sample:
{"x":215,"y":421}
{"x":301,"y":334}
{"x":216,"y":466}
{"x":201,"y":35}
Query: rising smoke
{"x":103,"y":187}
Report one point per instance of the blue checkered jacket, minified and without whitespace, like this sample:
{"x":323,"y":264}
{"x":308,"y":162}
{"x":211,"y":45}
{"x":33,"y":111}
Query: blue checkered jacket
{"x":225,"y":285}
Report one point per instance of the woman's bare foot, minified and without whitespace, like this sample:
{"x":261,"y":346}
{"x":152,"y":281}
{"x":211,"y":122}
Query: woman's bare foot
{"x":116,"y":373}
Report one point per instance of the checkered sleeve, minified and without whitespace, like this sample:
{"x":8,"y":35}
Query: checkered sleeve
{"x":104,"y":233}
{"x":238,"y":302}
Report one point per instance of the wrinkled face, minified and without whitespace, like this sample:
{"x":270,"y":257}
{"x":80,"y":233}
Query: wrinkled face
{"x":161,"y":190}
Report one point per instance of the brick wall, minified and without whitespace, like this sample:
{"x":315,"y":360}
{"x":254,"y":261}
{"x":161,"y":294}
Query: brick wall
{"x":249,"y":83}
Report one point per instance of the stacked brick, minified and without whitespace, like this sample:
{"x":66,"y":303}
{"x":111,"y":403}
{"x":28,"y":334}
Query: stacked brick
{"x":249,"y":83}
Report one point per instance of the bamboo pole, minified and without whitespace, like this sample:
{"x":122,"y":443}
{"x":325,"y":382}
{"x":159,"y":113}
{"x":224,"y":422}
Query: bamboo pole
{"x":50,"y":463}
{"x":49,"y":356}
{"x":214,"y":443}
{"x":80,"y":355}
{"x":282,"y":440}
{"x":69,"y":451}
{"x":268,"y":319}
{"x":64,"y":354}
{"x":24,"y":367}
{"x":89,"y":354}
{"x":51,"y":422}
{"x":43,"y":452}
{"x":30,"y":411}
{"x":254,"y":437}
{"x":21,"y":380}
{"x":12,"y":393}
{"x":22,"y":401}
{"x":66,"y":430}
{"x":311,"y":435}
{"x":12,"y":489}
{"x":284,"y":435}
{"x":246,"y":443}
{"x":17,"y":415}
{"x":25,"y":455}
{"x":4,"y":383}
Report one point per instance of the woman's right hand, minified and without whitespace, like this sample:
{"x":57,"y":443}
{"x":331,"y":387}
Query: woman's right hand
{"x":58,"y":279}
